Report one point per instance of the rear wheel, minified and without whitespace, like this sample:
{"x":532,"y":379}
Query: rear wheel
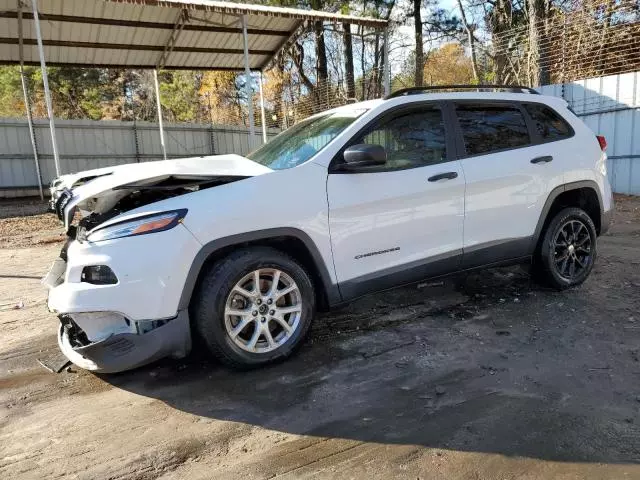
{"x":568,"y":250}
{"x":254,"y":307}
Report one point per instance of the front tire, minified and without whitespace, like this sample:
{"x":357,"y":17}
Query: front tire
{"x":254,"y":307}
{"x":568,"y":250}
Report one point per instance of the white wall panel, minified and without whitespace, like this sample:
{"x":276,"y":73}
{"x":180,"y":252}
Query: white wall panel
{"x":85,"y":144}
{"x":610,"y":106}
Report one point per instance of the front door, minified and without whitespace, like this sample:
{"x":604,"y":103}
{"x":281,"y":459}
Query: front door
{"x":400,"y":222}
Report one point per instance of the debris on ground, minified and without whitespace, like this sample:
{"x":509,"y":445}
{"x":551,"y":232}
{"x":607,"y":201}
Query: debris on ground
{"x":11,"y":306}
{"x":55,"y":363}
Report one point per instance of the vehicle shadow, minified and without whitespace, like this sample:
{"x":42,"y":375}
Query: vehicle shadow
{"x":483,"y":370}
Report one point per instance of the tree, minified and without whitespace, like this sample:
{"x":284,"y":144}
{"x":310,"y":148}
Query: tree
{"x":419,"y":55}
{"x":349,"y":74}
{"x":471,"y":40}
{"x":179,"y":95}
{"x":11,"y":98}
{"x":432,"y":24}
{"x":222,"y":99}
{"x":538,"y":13}
{"x":448,"y":65}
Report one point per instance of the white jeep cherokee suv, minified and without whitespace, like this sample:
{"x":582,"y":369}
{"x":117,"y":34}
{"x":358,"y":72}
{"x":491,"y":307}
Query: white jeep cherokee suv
{"x":240,"y":252}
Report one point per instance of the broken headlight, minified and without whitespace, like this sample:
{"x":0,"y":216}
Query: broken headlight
{"x":158,"y":222}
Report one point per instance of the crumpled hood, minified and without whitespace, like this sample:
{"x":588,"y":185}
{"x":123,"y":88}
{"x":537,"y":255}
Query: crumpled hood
{"x":69,"y":179}
{"x":102,"y":188}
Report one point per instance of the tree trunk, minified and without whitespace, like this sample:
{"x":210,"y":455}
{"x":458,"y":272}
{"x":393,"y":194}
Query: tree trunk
{"x":417,"y":19}
{"x":362,"y":65}
{"x":602,"y":52}
{"x":500,"y":26}
{"x":347,"y":42}
{"x":321,"y":63}
{"x":538,"y":67}
{"x":375,"y":72}
{"x":472,"y":43}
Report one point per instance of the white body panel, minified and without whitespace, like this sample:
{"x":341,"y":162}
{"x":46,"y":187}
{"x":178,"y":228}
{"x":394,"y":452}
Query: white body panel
{"x":150,"y":277}
{"x":298,"y":195}
{"x":506,"y":192}
{"x":374,"y":212}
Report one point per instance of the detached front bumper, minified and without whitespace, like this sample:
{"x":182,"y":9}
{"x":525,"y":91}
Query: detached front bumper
{"x":124,"y":351}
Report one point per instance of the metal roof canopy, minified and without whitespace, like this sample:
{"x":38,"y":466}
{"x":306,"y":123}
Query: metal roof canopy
{"x":153,"y":34}
{"x":174,"y":34}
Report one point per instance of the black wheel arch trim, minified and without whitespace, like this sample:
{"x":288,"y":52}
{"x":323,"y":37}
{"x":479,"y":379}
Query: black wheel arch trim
{"x":331,"y":289}
{"x":557,"y":192}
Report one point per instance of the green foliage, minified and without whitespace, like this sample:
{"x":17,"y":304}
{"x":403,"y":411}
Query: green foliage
{"x":11,"y":98}
{"x":179,"y":95}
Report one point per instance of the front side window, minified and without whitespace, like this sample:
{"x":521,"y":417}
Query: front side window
{"x":411,"y":139}
{"x":299,"y":143}
{"x":549,"y":125}
{"x":489,"y":128}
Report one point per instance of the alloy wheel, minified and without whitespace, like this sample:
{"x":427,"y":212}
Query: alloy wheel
{"x":572,"y":249}
{"x":263,"y":310}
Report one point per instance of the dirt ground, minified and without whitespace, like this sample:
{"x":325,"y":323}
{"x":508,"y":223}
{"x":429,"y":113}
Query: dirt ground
{"x":486,"y":377}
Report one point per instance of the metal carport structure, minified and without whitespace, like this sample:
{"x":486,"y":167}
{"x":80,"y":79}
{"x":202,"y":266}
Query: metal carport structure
{"x":153,"y":34}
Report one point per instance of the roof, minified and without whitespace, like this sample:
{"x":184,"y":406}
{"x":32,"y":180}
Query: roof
{"x":175,"y":34}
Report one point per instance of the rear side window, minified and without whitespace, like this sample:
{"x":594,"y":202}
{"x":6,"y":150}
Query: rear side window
{"x":489,"y":128}
{"x":549,"y":125}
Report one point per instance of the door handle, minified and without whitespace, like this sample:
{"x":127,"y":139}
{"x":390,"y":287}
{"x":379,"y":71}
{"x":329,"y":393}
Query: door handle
{"x":443,"y":176}
{"x":545,"y":159}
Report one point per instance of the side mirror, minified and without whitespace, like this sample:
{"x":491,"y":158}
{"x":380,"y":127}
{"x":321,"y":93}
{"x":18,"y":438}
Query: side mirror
{"x":363,"y":155}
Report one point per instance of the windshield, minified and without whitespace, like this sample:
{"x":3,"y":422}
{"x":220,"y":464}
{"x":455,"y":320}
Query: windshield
{"x":299,"y":143}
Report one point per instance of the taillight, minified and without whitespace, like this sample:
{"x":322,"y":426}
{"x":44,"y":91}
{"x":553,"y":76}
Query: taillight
{"x":602,"y":141}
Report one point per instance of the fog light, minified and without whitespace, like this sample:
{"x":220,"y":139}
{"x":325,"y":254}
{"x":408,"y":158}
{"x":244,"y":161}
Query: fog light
{"x":99,"y":275}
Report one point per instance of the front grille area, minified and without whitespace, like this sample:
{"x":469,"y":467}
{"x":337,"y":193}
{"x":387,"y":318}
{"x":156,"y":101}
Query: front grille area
{"x":61,"y":203}
{"x":77,"y":337}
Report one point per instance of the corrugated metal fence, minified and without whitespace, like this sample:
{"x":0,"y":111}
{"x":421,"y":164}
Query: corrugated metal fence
{"x":611,"y":107}
{"x":85,"y":144}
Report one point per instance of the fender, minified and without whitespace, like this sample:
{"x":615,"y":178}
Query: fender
{"x":332,"y":290}
{"x":552,"y":197}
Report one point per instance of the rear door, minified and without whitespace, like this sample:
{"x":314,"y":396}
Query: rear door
{"x":510,"y":171}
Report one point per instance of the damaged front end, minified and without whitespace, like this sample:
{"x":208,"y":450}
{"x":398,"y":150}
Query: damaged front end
{"x":121,"y":344}
{"x":100,"y":208}
{"x":117,"y":284}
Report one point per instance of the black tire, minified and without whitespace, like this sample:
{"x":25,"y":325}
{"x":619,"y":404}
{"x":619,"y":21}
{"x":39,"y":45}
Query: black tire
{"x":568,"y":250}
{"x":208,"y":307}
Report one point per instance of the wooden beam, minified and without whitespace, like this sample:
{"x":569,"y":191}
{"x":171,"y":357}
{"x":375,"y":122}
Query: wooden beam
{"x":181,"y":21}
{"x":139,"y":24}
{"x":236,"y":68}
{"x":284,"y":44}
{"x":124,"y":46}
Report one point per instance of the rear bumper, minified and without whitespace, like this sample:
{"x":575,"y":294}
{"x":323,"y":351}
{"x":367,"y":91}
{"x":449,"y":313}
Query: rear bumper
{"x":125,"y":351}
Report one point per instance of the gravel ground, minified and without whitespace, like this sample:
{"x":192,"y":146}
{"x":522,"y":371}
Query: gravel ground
{"x":27,"y":223}
{"x":485,"y":377}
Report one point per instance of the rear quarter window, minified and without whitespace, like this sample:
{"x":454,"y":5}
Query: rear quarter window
{"x":549,"y":125}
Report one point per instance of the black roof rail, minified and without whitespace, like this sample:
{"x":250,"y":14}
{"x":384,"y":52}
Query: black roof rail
{"x":417,"y":90}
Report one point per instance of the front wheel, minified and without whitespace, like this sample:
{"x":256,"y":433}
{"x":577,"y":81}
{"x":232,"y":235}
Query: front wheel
{"x":568,"y":249}
{"x":254,"y":307}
